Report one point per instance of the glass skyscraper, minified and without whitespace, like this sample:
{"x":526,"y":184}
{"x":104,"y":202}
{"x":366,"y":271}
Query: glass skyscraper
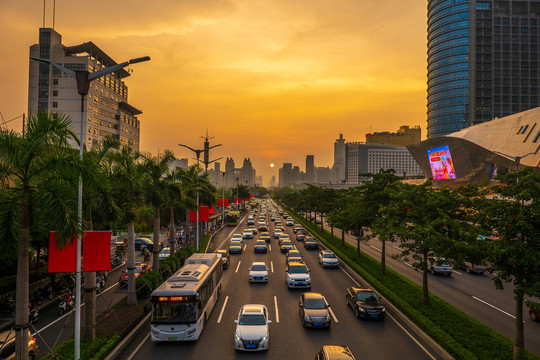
{"x":482,"y":61}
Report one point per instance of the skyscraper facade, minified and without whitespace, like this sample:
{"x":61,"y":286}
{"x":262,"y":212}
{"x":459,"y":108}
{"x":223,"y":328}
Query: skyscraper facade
{"x":338,"y":169}
{"x":230,"y":177}
{"x":310,"y":169}
{"x":483,"y":59}
{"x":106,"y":111}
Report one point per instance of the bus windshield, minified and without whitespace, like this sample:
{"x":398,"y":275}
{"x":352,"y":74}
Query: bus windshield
{"x":174,"y":313}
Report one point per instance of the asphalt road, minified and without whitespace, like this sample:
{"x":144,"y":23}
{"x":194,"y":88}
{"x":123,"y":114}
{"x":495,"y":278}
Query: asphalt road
{"x":474,"y":294}
{"x":288,"y":339}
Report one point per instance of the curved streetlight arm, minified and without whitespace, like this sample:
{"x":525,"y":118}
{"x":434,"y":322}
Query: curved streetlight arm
{"x":69,"y":72}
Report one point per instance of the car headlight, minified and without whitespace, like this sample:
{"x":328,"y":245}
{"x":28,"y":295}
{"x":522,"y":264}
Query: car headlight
{"x":264,"y":338}
{"x":327,"y":317}
{"x":383,"y":310}
{"x":362,"y":309}
{"x":237,"y":337}
{"x":306,"y":317}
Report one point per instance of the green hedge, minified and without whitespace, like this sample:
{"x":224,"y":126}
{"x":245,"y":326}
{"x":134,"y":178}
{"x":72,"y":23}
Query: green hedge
{"x":89,"y":351}
{"x":460,"y":334}
{"x":146,"y":283}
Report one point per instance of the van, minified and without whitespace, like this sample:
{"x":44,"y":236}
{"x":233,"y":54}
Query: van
{"x":7,"y":345}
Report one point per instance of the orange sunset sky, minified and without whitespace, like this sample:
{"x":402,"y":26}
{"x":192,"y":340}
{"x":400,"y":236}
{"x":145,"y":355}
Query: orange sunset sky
{"x":273,"y":80}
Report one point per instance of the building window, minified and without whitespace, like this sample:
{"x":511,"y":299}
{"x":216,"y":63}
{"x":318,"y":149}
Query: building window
{"x":55,"y":82}
{"x":55,"y":93}
{"x":54,"y":104}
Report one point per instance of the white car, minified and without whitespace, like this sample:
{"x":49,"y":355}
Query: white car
{"x":328,"y":259}
{"x":258,"y":272}
{"x":247,"y":234}
{"x":297,"y":275}
{"x":277,"y":233}
{"x":251,"y":332}
{"x":236,"y":237}
{"x":164,"y":253}
{"x":440,"y":266}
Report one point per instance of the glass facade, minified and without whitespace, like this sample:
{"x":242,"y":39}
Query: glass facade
{"x":43,"y":82}
{"x":482,"y":61}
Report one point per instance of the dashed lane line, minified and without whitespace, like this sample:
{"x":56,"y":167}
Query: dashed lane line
{"x":277,"y":310}
{"x":272,"y":266}
{"x":333,"y":315}
{"x":376,"y":248}
{"x":238,"y":266}
{"x":493,"y":306}
{"x":222,"y":309}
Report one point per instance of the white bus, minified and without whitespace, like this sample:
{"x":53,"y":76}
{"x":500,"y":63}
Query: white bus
{"x":183,"y":303}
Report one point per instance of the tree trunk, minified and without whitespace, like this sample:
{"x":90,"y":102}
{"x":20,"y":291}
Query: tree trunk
{"x":132,"y":292}
{"x":358,"y":237}
{"x":332,"y":231}
{"x":519,"y":339}
{"x":322,"y":222}
{"x":155,"y":249}
{"x":342,"y":237}
{"x":22,"y":291}
{"x":172,"y":233}
{"x":383,"y":258}
{"x":38,"y":251}
{"x":425,"y":290}
{"x":89,"y":324}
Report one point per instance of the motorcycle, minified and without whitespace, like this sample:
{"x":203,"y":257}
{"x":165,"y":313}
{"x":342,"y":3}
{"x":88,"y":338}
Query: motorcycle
{"x":33,"y":315}
{"x":146,"y":255}
{"x":100,"y":285}
{"x":65,"y":305}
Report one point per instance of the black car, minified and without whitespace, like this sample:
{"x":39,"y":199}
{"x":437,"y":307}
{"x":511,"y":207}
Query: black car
{"x":225,"y":258}
{"x":365,"y":303}
{"x":286,"y":245}
{"x":311,"y":243}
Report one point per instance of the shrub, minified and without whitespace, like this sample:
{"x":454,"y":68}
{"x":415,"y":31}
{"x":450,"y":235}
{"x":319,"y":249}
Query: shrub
{"x":143,"y":287}
{"x":165,"y":269}
{"x":89,"y":350}
{"x":155,"y":278}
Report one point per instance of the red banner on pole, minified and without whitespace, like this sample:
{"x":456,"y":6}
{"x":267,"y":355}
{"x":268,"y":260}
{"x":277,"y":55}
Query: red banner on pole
{"x":203,"y":213}
{"x":246,"y":199}
{"x":211,"y":210}
{"x":220,"y":202}
{"x":62,"y":260}
{"x":192,"y":215}
{"x":251,"y":196}
{"x":97,"y":251}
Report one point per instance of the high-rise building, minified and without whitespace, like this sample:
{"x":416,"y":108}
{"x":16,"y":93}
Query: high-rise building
{"x":483,"y":61}
{"x":273,"y":181}
{"x":338,"y":170}
{"x":285,"y":175}
{"x":181,"y":163}
{"x":310,"y":169}
{"x":106,"y":112}
{"x":404,"y":136}
{"x":247,"y":173}
{"x":230,"y":176}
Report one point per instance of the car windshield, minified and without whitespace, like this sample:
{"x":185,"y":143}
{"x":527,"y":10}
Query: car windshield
{"x":314,"y":304}
{"x":222,"y":254}
{"x":236,"y":243}
{"x":329,"y":255}
{"x":298,"y":269}
{"x":286,"y":243}
{"x":258,"y":267}
{"x":174,"y":313}
{"x":260,"y":243}
{"x":311,"y":240}
{"x":252,"y":320}
{"x":366,"y":296}
{"x":294,"y":254}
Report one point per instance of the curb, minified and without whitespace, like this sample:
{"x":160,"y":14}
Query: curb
{"x":433,"y":345}
{"x":127,"y":339}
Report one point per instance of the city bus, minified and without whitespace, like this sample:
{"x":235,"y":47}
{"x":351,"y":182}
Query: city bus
{"x":231,"y":218}
{"x":183,"y":303}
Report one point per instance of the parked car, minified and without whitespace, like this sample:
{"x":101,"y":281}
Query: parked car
{"x":235,"y":247}
{"x":7,"y":345}
{"x":297,"y":275}
{"x":475,"y":268}
{"x":334,"y":352}
{"x":365,"y":303}
{"x":252,"y":333}
{"x":225,"y":258}
{"x":327,"y":258}
{"x":311,"y":243}
{"x":258,"y":272}
{"x":140,"y":268}
{"x":440,"y":266}
{"x":260,"y":246}
{"x":314,"y":310}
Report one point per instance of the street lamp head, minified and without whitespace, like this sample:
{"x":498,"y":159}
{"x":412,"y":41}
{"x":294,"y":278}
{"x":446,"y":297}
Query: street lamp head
{"x":139,"y":59}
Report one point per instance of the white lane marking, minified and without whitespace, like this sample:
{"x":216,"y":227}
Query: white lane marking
{"x":494,"y":307}
{"x":379,"y":250}
{"x":237,"y":266}
{"x":272,"y":266}
{"x":408,"y":264}
{"x":395,"y":320}
{"x":138,"y":347}
{"x":333,"y":316}
{"x":412,"y":337}
{"x":397,"y":247}
{"x":269,"y":247}
{"x":245,"y":246}
{"x":277,"y":311}
{"x":457,"y":272}
{"x":222,"y":309}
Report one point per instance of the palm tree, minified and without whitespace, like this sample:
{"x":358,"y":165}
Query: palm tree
{"x":155,"y":170}
{"x":96,"y":195}
{"x":38,"y":172}
{"x":126,"y":182}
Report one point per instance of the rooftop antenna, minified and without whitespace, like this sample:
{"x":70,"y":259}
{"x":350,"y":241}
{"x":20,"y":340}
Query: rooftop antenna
{"x":53,"y":13}
{"x":44,"y":1}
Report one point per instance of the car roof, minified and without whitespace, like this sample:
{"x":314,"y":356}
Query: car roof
{"x":222,"y":251}
{"x":252,"y":309}
{"x":312,"y":295}
{"x":361,"y":289}
{"x":258,"y":263}
{"x":327,"y":251}
{"x":338,"y":352}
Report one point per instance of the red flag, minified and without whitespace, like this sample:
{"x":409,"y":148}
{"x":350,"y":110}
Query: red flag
{"x":64,"y":260}
{"x":211,"y":210}
{"x":251,"y":196}
{"x":203,"y":213}
{"x":226,"y":202}
{"x":246,"y":199}
{"x":192,"y":215}
{"x":97,"y":251}
{"x":220,"y":202}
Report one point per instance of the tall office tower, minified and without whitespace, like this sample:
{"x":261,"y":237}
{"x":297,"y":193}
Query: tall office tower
{"x":247,"y":173}
{"x":338,"y":170}
{"x":273,"y":181}
{"x":230,"y":179}
{"x":285,"y":174}
{"x":310,"y":169}
{"x":218,"y":178}
{"x":106,"y":111}
{"x":482,"y":61}
{"x":404,"y":136}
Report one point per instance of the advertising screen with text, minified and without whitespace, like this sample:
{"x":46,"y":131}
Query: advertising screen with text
{"x":441,"y":163}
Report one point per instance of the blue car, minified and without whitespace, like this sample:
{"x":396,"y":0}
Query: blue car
{"x":311,"y":243}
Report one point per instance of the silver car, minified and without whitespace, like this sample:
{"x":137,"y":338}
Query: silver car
{"x":251,"y":332}
{"x":327,"y":258}
{"x":258,"y":272}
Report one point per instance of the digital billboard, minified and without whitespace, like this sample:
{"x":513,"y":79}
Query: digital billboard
{"x":441,"y":163}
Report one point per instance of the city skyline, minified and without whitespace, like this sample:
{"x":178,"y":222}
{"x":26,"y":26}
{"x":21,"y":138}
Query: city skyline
{"x":293,"y":74}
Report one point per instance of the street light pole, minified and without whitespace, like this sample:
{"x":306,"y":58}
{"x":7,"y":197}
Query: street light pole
{"x":83,"y":78}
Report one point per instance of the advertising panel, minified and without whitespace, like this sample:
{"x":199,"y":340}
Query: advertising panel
{"x":441,"y":163}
